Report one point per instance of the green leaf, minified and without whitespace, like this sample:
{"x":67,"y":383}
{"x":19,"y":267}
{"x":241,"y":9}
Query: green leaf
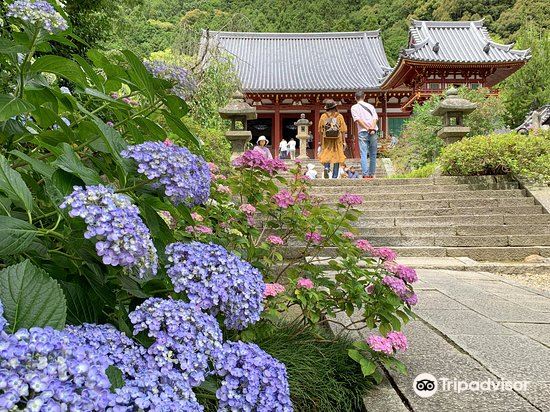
{"x":367,"y":367}
{"x":178,"y":107}
{"x":81,"y":307}
{"x":361,"y":345}
{"x":139,"y":75}
{"x":60,"y":66}
{"x":31,"y":298}
{"x":115,"y":377}
{"x":16,"y":236}
{"x":12,"y":106}
{"x":355,"y":355}
{"x":38,"y":165}
{"x":8,"y":46}
{"x":70,"y":162}
{"x":12,"y":184}
{"x":179,"y":128}
{"x":103,"y":96}
{"x":384,"y":328}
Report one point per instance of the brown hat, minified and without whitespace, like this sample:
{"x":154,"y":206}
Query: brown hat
{"x":330,"y":104}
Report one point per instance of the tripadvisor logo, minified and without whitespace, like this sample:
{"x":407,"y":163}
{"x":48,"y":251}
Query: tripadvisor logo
{"x":426,"y":385}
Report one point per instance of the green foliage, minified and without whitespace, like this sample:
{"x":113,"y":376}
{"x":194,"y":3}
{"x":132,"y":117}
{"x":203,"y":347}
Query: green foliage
{"x":215,"y":146}
{"x":424,"y":171}
{"x":529,"y":87}
{"x":322,"y":376}
{"x":521,"y":155}
{"x":419,"y":144}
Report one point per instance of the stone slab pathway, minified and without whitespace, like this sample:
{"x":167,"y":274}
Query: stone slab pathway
{"x":473,"y":326}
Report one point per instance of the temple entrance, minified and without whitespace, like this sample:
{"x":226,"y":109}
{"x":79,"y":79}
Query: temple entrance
{"x":262,"y":127}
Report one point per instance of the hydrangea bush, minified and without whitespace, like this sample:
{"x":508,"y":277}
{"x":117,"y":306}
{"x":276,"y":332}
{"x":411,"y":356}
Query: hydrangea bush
{"x":145,"y":259}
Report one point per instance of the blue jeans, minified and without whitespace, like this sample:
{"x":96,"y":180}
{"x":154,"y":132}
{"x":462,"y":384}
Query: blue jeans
{"x":335,"y":169}
{"x":368,"y":146}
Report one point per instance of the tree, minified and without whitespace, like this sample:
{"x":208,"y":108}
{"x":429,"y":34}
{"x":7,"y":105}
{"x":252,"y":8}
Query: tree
{"x":529,"y":87}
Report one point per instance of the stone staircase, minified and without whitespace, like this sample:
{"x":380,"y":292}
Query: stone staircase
{"x":485,"y":218}
{"x":380,"y":170}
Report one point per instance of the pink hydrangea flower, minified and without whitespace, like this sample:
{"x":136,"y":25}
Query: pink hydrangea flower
{"x":110,"y":124}
{"x":385,"y":253}
{"x":401,"y":271}
{"x":205,"y":230}
{"x":350,"y":200}
{"x":114,"y":95}
{"x":395,"y":284}
{"x":364,"y":245}
{"x":213,"y":168}
{"x":411,"y":299}
{"x":275,"y":240}
{"x":301,"y":196}
{"x":398,"y":341}
{"x":304,"y":283}
{"x":306,"y":213}
{"x":348,"y":235}
{"x":168,"y":218}
{"x":126,"y":100}
{"x":283,"y":199}
{"x":380,"y":344}
{"x":224,"y":189}
{"x":273,"y":289}
{"x":314,"y":237}
{"x":255,"y":159}
{"x":247,"y":209}
{"x":370,"y":289}
{"x":168,"y":142}
{"x":197,"y":217}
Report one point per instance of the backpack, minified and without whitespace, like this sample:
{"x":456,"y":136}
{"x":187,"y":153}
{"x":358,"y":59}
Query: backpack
{"x":332,"y":128}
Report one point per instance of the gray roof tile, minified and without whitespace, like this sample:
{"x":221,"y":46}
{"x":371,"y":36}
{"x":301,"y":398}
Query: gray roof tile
{"x":457,"y":42}
{"x":305,"y":61}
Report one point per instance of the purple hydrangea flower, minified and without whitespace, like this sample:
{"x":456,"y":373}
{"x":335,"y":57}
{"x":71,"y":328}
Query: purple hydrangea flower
{"x":252,"y":380}
{"x":217,"y":280}
{"x":399,"y":287}
{"x":122,"y":237}
{"x":283,"y":199}
{"x":186,"y":177}
{"x":3,"y":321}
{"x":44,"y":369}
{"x":380,"y":344}
{"x":254,"y":159}
{"x":350,"y":200}
{"x":401,"y":271}
{"x":38,"y":13}
{"x":186,"y":338}
{"x":183,"y":82}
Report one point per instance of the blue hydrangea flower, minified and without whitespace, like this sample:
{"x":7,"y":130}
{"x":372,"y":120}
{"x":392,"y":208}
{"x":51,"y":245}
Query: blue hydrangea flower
{"x":252,"y":380}
{"x":3,"y":321}
{"x":38,"y":13}
{"x":186,"y":177}
{"x":183,"y":82}
{"x":186,"y":338}
{"x":218,"y":281}
{"x":44,"y":370}
{"x":122,"y":237}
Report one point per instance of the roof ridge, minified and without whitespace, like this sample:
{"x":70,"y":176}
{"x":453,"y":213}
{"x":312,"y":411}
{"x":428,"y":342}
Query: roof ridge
{"x":447,"y":23}
{"x":371,"y":33}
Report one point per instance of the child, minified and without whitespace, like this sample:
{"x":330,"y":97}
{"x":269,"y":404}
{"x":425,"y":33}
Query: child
{"x":311,"y":172}
{"x":352,"y":173}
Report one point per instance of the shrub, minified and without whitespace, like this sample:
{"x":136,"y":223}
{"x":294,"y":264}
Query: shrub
{"x":521,"y":155}
{"x":215,"y":146}
{"x":424,"y":171}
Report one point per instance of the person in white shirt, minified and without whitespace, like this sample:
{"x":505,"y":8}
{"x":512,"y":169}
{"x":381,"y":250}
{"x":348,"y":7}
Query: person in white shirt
{"x":365,"y":117}
{"x":311,"y":172}
{"x":283,"y":148}
{"x":292,"y":148}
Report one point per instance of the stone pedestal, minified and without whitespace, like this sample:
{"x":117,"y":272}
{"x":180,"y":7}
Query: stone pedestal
{"x":451,"y":134}
{"x":238,"y":139}
{"x":303,"y":147}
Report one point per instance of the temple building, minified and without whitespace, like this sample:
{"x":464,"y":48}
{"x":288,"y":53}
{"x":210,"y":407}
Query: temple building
{"x":286,"y":74}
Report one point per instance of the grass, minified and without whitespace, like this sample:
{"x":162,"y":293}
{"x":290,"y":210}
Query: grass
{"x":321,"y":375}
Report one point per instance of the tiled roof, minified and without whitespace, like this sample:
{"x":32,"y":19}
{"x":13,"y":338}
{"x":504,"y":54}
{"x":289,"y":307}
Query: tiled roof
{"x":544,"y":118}
{"x":304,"y":61}
{"x":457,"y":42}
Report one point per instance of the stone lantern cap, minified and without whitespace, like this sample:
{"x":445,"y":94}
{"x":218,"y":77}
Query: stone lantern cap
{"x":238,"y":108}
{"x":302,"y":121}
{"x":453,"y":103}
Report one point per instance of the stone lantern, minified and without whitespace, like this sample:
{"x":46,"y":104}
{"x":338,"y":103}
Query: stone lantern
{"x":302,"y":126}
{"x":453,"y":109}
{"x":238,"y":111}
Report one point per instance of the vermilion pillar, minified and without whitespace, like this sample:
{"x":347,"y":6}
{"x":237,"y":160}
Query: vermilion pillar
{"x":276,"y":129}
{"x":316,"y":137}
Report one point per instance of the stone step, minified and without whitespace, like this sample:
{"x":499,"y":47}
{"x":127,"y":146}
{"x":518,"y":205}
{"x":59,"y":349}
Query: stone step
{"x":444,"y":203}
{"x":461,"y":241}
{"x":501,"y":254}
{"x":466,"y":194}
{"x":393,"y":189}
{"x":481,"y":211}
{"x":451,"y":230}
{"x":440,"y":180}
{"x":454,"y":220}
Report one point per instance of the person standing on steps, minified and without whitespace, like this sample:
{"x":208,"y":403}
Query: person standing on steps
{"x":292,"y":148}
{"x":333,"y":131}
{"x":283,"y":148}
{"x":365,"y":117}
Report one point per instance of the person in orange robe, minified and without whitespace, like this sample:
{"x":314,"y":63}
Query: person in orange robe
{"x":332,"y":149}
